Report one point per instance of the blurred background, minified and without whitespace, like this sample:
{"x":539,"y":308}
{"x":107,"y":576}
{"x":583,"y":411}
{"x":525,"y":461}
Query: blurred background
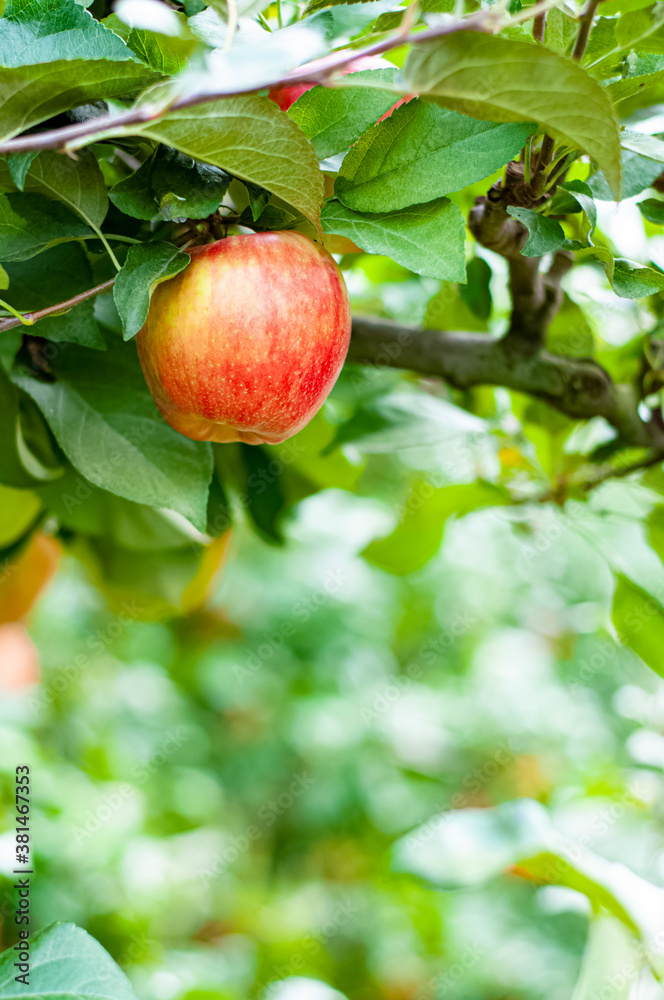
{"x":229,"y":743}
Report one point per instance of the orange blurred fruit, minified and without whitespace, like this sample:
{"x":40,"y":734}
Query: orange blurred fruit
{"x":23,"y":579}
{"x":19,"y":662}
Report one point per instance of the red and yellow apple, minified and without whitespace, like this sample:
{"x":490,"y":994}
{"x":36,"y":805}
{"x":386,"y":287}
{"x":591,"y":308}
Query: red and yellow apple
{"x":246,"y":343}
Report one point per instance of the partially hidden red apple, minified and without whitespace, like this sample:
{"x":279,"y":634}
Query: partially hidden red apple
{"x":246,"y":343}
{"x":286,"y":95}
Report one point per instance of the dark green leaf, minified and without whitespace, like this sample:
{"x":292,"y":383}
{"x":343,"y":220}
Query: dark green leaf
{"x":476,"y":293}
{"x":19,"y":164}
{"x":171,"y":185}
{"x":427,"y":239}
{"x":19,"y":466}
{"x":134,"y":195}
{"x":147,"y":265}
{"x":30,"y":223}
{"x":263,"y":494}
{"x":652,"y":209}
{"x":422,"y":152}
{"x":105,"y":421}
{"x":252,"y":139}
{"x":51,"y":277}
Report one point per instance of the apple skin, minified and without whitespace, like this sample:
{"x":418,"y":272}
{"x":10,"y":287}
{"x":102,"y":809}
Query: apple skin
{"x":246,"y":343}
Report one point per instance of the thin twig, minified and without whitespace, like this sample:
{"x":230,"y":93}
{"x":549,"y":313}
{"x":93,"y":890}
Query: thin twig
{"x":29,"y":319}
{"x":76,"y":135}
{"x":585,"y":24}
{"x":539,"y":26}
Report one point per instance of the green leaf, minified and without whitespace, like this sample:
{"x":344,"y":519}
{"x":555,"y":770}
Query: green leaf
{"x":78,"y":184}
{"x":30,"y":223}
{"x":19,"y":466}
{"x":65,"y":962}
{"x":171,"y":185}
{"x":163,"y":53}
{"x":134,"y":195}
{"x":584,"y":197}
{"x":147,"y":265}
{"x":448,"y":310}
{"x":545,"y":234}
{"x":645,"y":145}
{"x":638,"y":173}
{"x":262,"y":492}
{"x":82,"y":507}
{"x":610,"y":961}
{"x":422,"y":152}
{"x":419,"y":533}
{"x":333,"y":118}
{"x":634,"y":281}
{"x":19,"y":164}
{"x":18,"y":511}
{"x":476,"y":293}
{"x":468,"y":846}
{"x":639,"y":620}
{"x":51,"y":277}
{"x":500,"y":79}
{"x":53,"y":57}
{"x":252,"y":139}
{"x":560,"y":30}
{"x":184,"y":188}
{"x":652,"y":209}
{"x":428,"y":239}
{"x":404,"y":420}
{"x":570,"y":333}
{"x":105,"y":421}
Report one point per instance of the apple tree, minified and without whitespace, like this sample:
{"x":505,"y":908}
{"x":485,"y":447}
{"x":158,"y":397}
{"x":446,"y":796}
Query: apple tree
{"x":488,"y":178}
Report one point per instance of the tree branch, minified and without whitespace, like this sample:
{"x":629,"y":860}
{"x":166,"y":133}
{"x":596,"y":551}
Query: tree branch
{"x":29,"y":319}
{"x":320,"y":71}
{"x":577,"y":387}
{"x":585,"y":24}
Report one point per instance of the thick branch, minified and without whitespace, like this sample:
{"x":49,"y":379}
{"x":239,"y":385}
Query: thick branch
{"x":577,"y":387}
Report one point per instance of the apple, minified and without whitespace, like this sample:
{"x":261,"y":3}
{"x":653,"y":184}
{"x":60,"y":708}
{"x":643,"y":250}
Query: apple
{"x":246,"y":343}
{"x":286,"y":95}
